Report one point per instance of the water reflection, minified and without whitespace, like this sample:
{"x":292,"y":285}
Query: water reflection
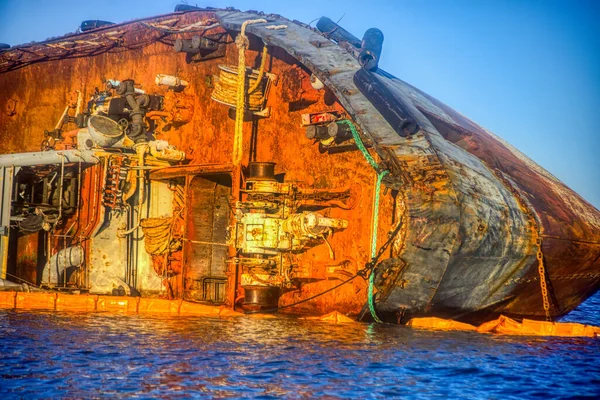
{"x":100,"y":355}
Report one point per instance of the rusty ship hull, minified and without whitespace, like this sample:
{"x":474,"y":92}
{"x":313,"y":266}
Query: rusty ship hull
{"x":265,"y":208}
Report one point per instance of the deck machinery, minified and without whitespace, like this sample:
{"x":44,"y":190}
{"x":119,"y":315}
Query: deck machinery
{"x":244,"y":159}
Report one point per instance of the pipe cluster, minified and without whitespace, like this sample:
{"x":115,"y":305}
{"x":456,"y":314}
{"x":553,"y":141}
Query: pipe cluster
{"x":137,"y":105}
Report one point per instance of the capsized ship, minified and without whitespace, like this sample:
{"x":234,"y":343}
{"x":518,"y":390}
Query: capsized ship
{"x":241,"y":158}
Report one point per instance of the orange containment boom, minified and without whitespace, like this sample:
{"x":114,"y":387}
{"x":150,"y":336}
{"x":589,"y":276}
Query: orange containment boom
{"x":134,"y":305}
{"x":507,"y":326}
{"x":137,"y":305}
{"x":334,"y":317}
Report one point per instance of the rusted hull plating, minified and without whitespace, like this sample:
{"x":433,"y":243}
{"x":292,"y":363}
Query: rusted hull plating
{"x":475,"y":212}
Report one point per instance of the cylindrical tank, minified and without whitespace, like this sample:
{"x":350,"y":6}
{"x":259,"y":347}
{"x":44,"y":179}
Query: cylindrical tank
{"x":261,"y":171}
{"x":104,"y":131}
{"x":261,"y":297}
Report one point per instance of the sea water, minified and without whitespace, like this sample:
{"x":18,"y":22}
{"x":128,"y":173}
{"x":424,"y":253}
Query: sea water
{"x":96,"y":355}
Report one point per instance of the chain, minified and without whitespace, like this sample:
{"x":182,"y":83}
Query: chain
{"x":539,"y":255}
{"x":271,"y":197}
{"x":321,"y":196}
{"x":370,"y":266}
{"x":542,"y":272}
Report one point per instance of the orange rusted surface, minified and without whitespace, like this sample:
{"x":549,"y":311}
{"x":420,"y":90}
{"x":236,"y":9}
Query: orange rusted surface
{"x":26,"y":258}
{"x":208,"y":138}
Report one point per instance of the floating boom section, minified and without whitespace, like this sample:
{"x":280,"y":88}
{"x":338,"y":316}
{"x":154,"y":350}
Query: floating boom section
{"x":476,"y":228}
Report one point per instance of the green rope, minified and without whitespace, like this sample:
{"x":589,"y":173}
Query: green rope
{"x":360,"y":144}
{"x":375,"y":223}
{"x":380,"y":176}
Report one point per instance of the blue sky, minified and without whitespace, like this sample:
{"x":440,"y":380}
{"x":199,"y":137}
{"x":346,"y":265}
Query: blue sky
{"x":527,"y":70}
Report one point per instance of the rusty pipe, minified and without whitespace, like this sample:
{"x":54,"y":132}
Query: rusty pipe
{"x":48,"y":158}
{"x":141,"y":149}
{"x":138,"y":128}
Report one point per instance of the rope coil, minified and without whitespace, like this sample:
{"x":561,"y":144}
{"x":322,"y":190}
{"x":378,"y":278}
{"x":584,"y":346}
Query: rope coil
{"x":225,"y":90}
{"x":157,"y":236}
{"x":242,"y":43}
{"x":231,"y":87}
